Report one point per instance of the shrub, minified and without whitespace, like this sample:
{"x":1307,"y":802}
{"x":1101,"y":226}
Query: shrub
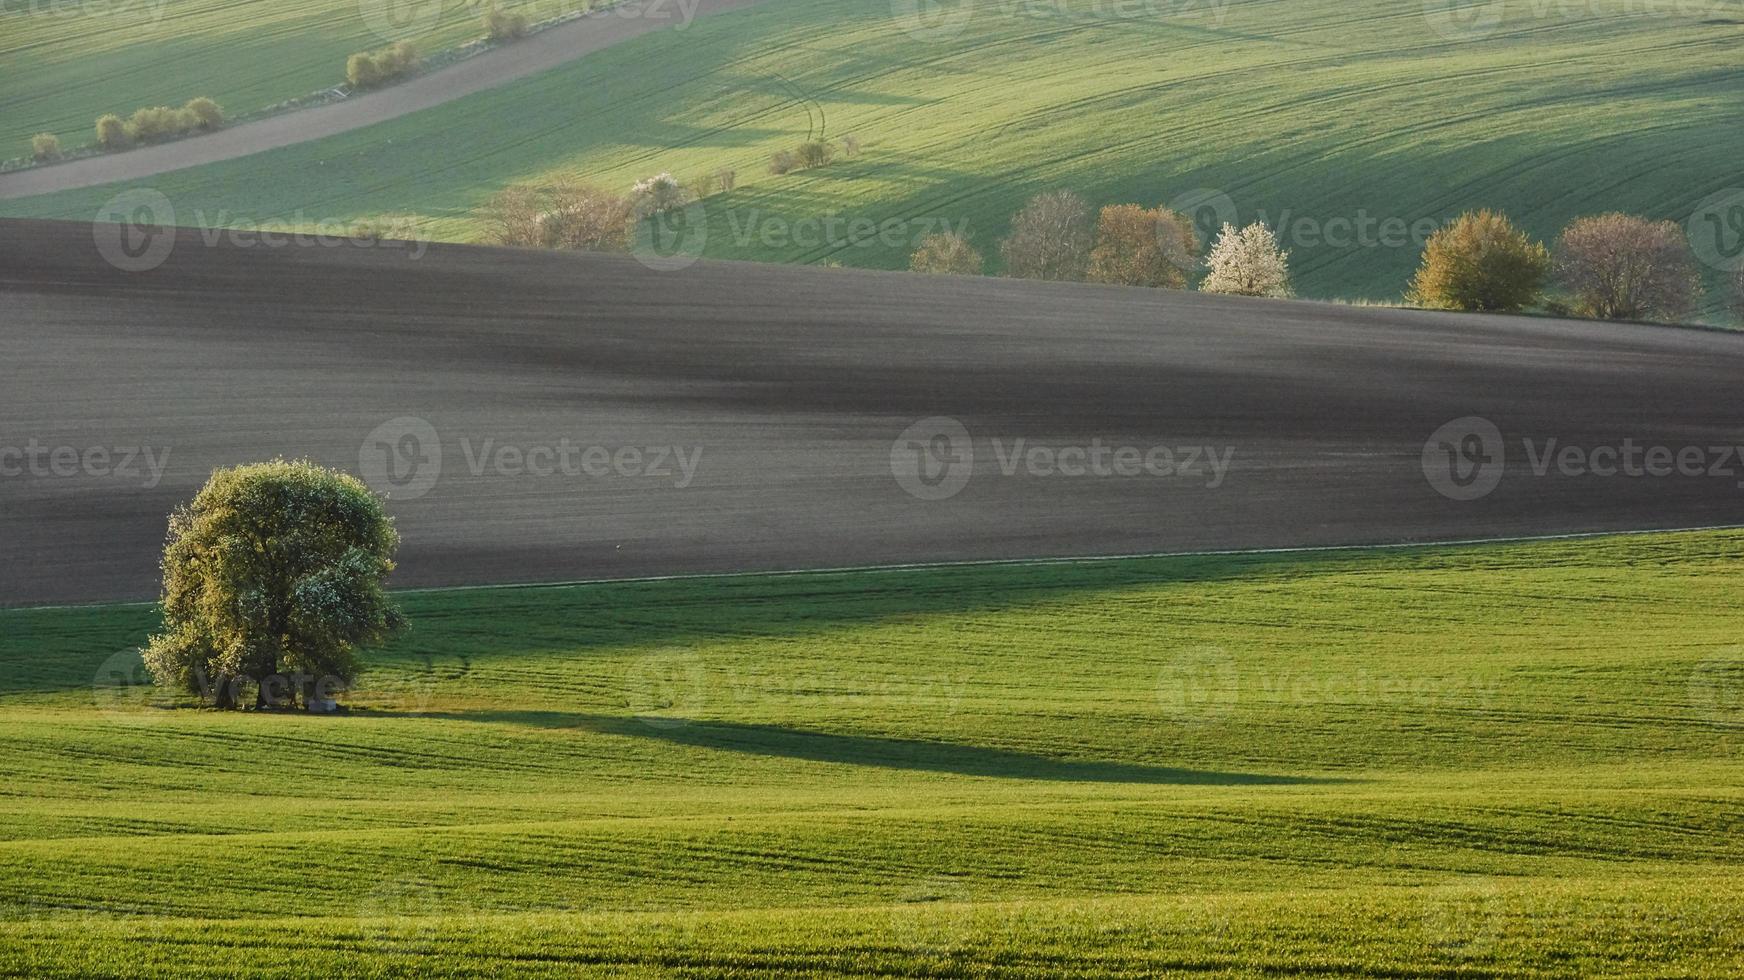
{"x":947,"y":254}
{"x":274,"y":575}
{"x":702,"y":185}
{"x":726,"y":178}
{"x":1050,"y":238}
{"x":1136,"y":247}
{"x":158,"y":122}
{"x":850,"y":145}
{"x":207,"y":113}
{"x":1621,"y":267}
{"x":111,"y":132}
{"x":367,"y":69}
{"x":45,"y":146}
{"x":360,"y":71}
{"x":815,"y":153}
{"x":657,"y":195}
{"x":559,"y":215}
{"x":782,"y":161}
{"x":1480,"y":262}
{"x":504,"y":25}
{"x":1247,"y":262}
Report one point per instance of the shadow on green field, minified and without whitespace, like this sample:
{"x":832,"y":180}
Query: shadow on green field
{"x":45,"y":651}
{"x":917,"y":754}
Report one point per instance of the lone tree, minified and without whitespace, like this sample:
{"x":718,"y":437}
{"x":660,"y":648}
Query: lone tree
{"x":1050,"y":238}
{"x":273,"y":576}
{"x":1247,"y":262}
{"x":1140,"y":247}
{"x":1621,"y":267}
{"x":946,"y":254}
{"x":1480,"y":262}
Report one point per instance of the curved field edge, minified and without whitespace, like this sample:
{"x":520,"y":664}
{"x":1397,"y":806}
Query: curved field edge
{"x":1354,"y":128}
{"x":1513,"y":759}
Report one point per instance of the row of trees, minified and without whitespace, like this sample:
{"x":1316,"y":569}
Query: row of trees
{"x":811,"y":154}
{"x":570,"y":214}
{"x":1611,"y":266}
{"x":1053,"y":238}
{"x":367,"y":69}
{"x":146,"y":125}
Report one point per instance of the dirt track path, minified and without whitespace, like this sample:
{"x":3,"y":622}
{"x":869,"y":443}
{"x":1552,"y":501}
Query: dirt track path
{"x":545,"y":50}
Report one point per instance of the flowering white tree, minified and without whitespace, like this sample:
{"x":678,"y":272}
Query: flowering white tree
{"x":657,"y":195}
{"x":1247,"y":262}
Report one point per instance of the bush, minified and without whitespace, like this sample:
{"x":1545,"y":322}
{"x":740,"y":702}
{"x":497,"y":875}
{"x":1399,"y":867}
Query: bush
{"x":702,"y":185}
{"x":45,"y":146}
{"x":850,"y":145}
{"x":207,"y":113}
{"x":1050,"y":238}
{"x":367,"y":69}
{"x":274,"y":576}
{"x":560,"y":215}
{"x":111,"y":132}
{"x":1621,"y":267}
{"x":815,"y":153}
{"x":160,"y":122}
{"x":1136,"y":247}
{"x":947,"y":254}
{"x":726,"y":178}
{"x":1480,"y":262}
{"x":657,"y":195}
{"x":1247,"y":262}
{"x":503,"y":25}
{"x":782,"y":161}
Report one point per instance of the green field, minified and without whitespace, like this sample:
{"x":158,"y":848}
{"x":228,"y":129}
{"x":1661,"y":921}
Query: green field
{"x":63,"y":64}
{"x":1328,"y":118}
{"x":1475,"y":761}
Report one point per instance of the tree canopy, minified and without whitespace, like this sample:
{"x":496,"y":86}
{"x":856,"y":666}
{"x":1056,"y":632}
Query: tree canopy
{"x":273,"y":576}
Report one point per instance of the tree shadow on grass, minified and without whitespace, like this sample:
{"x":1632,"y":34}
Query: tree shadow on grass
{"x":915,"y":754}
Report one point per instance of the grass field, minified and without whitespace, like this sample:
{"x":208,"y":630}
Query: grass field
{"x":65,"y":64}
{"x":1479,"y":761}
{"x":1353,"y":125}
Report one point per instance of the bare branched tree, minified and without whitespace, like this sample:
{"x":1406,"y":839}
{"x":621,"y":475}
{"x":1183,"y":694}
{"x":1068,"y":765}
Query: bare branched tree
{"x":1050,"y":238}
{"x":1622,"y":267}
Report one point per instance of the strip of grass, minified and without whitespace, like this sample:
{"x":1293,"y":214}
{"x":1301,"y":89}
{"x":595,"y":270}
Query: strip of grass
{"x":1514,"y":759}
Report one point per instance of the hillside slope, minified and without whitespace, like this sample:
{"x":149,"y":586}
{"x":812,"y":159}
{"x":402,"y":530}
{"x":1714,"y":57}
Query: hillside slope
{"x":1498,"y":761}
{"x":1355,"y":125}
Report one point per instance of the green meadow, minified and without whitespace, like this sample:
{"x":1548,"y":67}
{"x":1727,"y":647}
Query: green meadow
{"x":1353,"y":126}
{"x":63,"y":63}
{"x":1502,"y":760}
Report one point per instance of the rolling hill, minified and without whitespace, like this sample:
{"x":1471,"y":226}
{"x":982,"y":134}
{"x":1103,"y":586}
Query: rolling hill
{"x":1353,"y":126}
{"x":1490,"y":761}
